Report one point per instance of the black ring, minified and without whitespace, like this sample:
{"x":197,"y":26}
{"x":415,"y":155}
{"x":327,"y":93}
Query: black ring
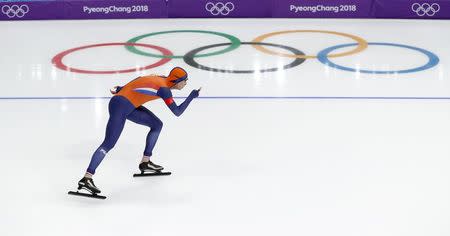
{"x":189,"y":58}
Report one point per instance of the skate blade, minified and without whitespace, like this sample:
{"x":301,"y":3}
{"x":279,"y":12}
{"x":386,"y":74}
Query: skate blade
{"x":90,"y":195}
{"x":156,"y":173}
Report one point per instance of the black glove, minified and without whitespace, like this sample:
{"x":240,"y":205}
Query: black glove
{"x":195,"y":93}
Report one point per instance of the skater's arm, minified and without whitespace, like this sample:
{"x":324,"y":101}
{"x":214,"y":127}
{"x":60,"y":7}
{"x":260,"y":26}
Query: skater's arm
{"x":166,"y":94}
{"x":178,"y":110}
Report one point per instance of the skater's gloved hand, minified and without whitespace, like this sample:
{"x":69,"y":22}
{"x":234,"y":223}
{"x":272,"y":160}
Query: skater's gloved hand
{"x":195,"y":93}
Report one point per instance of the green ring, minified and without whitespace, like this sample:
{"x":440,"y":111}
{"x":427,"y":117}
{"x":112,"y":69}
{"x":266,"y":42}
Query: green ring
{"x":235,"y":43}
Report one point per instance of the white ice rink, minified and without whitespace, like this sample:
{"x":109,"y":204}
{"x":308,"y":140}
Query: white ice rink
{"x":312,"y":150}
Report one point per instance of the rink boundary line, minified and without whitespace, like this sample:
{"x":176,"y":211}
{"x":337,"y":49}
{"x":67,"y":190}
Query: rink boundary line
{"x":245,"y":97}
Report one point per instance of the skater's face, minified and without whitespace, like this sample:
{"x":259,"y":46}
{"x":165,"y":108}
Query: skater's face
{"x":180,"y":85}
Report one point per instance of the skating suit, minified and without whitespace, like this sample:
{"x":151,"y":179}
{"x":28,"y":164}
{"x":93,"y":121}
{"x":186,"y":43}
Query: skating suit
{"x":146,"y":88}
{"x":127,"y":105}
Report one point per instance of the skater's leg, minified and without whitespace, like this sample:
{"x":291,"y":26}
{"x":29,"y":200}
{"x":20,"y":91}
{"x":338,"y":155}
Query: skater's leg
{"x":145,"y":117}
{"x":119,"y":108}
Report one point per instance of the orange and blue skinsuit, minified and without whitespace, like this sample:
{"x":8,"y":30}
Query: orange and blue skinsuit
{"x":127,"y":104}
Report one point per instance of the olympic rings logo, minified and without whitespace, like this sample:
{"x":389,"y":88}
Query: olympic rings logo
{"x":219,"y":8}
{"x":425,"y":9}
{"x":298,"y":57}
{"x":15,"y":10}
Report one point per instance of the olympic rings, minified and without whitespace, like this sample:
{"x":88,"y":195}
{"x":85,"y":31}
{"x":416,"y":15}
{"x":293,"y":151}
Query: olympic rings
{"x":57,"y":60}
{"x":433,"y":60}
{"x":425,"y":9}
{"x":235,"y":43}
{"x":15,"y":10}
{"x":362,"y":44}
{"x":219,"y":8}
{"x":299,"y":56}
{"x":189,"y":58}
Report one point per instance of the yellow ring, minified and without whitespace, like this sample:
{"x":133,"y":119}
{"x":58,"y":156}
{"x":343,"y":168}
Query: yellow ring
{"x":362,"y":44}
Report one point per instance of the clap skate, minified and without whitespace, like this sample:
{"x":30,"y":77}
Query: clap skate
{"x":87,"y":184}
{"x":150,"y":169}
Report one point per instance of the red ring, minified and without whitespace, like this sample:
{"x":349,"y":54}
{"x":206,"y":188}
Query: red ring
{"x":57,"y":60}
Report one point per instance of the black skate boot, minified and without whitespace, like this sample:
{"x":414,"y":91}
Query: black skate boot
{"x":88,"y":184}
{"x":150,"y":166}
{"x":150,"y":169}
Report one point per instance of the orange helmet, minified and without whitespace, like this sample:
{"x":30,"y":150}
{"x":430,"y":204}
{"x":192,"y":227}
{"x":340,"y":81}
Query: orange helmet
{"x":177,"y":75}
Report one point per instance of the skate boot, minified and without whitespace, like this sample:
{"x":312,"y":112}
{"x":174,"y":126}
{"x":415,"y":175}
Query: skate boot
{"x":150,"y":166}
{"x":150,"y":169}
{"x":88,"y":184}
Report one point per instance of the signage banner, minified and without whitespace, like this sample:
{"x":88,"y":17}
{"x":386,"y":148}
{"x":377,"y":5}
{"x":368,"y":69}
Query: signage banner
{"x":322,"y":8}
{"x":83,"y":9}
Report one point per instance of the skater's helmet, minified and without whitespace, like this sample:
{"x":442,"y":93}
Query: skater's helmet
{"x":177,"y":75}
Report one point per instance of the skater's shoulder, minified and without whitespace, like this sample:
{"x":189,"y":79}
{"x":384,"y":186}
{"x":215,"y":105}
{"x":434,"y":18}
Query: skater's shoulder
{"x":164,"y":92}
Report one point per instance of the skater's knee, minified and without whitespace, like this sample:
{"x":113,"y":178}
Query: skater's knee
{"x":107,"y":145}
{"x":158,"y":126}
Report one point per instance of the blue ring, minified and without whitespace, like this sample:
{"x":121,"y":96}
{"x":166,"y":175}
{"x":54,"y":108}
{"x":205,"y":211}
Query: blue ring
{"x":433,"y":60}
